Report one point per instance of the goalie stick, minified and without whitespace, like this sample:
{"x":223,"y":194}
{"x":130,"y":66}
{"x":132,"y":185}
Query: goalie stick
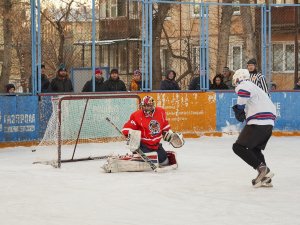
{"x":138,"y":151}
{"x":54,"y":162}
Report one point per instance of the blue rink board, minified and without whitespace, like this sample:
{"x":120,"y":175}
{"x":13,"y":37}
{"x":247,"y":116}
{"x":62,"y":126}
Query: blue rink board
{"x":19,"y":119}
{"x":24,"y":118}
{"x":287,"y":105}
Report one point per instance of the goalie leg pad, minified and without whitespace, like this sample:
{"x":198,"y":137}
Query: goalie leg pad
{"x":133,"y":163}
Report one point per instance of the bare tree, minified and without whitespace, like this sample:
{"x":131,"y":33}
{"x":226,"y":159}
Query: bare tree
{"x":22,"y":41}
{"x":249,"y":35}
{"x":159,"y":17}
{"x":7,"y":37}
{"x":59,"y":18}
{"x":224,"y":33}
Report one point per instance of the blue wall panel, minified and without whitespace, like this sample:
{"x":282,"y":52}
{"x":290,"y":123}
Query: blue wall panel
{"x":288,"y":110}
{"x":287,"y":105}
{"x":18,"y":118}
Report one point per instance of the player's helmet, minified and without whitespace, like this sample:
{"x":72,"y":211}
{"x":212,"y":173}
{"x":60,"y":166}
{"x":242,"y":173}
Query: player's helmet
{"x":239,"y":76}
{"x":148,"y":105}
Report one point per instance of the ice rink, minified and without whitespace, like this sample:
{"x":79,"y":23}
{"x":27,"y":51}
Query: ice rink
{"x":211,"y":186}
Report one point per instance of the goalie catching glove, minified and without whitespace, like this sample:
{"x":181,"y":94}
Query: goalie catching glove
{"x":175,"y":139}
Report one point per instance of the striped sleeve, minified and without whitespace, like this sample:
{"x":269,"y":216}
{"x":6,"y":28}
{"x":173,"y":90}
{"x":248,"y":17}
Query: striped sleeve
{"x":243,"y":93}
{"x":260,"y":81}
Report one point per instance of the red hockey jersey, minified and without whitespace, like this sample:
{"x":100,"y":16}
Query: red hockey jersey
{"x":151,"y":127}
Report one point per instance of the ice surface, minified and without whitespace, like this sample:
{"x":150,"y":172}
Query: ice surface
{"x":211,"y":186}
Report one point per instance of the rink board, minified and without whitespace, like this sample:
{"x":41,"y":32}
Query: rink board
{"x":24,"y":118}
{"x":287,"y":108}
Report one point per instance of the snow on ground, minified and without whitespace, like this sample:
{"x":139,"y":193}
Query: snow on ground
{"x":211,"y":186}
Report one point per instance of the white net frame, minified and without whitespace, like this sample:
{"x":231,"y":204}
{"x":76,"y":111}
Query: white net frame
{"x":81,"y":119}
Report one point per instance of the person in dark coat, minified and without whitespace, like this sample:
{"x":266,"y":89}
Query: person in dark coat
{"x":62,"y":82}
{"x":99,"y":83}
{"x":297,"y":86}
{"x":195,"y":83}
{"x":169,"y":83}
{"x":114,"y":83}
{"x":10,"y":88}
{"x":218,"y":83}
{"x":44,"y":80}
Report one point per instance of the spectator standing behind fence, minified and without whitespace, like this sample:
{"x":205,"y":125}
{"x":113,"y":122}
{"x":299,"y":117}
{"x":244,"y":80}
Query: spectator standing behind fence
{"x":297,"y":86}
{"x":195,"y":82}
{"x":169,"y":82}
{"x":227,"y":77}
{"x":62,"y":82}
{"x":44,"y":80}
{"x":136,"y":82}
{"x":218,"y":83}
{"x":114,"y":83}
{"x":256,"y":77}
{"x":99,"y":82}
{"x":10,"y":88}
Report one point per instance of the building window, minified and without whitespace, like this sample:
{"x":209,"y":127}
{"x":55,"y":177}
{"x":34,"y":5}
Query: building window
{"x":196,"y":9}
{"x":166,"y":60}
{"x":196,"y":57}
{"x":113,"y":56}
{"x":123,"y":58}
{"x":236,"y":8}
{"x":133,"y":10}
{"x":1,"y":55}
{"x":113,"y":8}
{"x":133,"y":58}
{"x":236,"y":57}
{"x":283,"y":57}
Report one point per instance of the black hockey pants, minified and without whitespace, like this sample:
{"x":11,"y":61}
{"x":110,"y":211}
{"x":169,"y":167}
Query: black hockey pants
{"x":161,"y":152}
{"x":251,"y":141}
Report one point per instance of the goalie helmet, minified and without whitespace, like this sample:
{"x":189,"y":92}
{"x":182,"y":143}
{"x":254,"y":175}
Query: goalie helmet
{"x":239,"y":76}
{"x":148,"y":105}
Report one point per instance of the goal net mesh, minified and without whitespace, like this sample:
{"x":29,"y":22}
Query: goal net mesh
{"x":79,"y":120}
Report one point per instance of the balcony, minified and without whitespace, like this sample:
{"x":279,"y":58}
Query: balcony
{"x":282,"y":19}
{"x":118,"y":28}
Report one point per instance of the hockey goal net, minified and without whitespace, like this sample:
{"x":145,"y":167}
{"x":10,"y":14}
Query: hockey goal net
{"x":78,"y":120}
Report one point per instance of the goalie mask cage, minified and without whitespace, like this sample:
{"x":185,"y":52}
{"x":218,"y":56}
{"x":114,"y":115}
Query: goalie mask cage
{"x":81,"y":119}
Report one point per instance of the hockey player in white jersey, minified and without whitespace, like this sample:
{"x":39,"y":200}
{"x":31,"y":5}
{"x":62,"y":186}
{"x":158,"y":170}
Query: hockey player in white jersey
{"x":255,"y":107}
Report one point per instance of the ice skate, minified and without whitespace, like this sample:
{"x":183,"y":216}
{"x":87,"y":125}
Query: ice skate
{"x":267,"y":183}
{"x":264,"y":175}
{"x":264,"y":183}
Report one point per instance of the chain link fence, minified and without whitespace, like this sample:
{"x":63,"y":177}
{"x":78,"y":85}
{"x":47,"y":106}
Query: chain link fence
{"x":232,"y":33}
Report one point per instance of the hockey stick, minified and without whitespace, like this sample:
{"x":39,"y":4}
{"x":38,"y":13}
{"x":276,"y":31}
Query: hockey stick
{"x":54,"y":162}
{"x":138,"y":151}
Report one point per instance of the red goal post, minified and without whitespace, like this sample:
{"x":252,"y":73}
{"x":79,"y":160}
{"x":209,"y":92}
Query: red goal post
{"x":77,"y":120}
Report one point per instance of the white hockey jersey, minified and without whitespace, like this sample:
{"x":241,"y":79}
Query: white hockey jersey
{"x":259,"y":108}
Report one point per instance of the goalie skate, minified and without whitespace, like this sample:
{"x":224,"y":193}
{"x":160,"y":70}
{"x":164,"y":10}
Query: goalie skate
{"x":172,"y":161}
{"x":129,"y":163}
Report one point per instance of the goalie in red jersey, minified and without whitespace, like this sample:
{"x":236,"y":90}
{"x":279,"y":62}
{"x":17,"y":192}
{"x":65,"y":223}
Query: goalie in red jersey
{"x":153,"y":125}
